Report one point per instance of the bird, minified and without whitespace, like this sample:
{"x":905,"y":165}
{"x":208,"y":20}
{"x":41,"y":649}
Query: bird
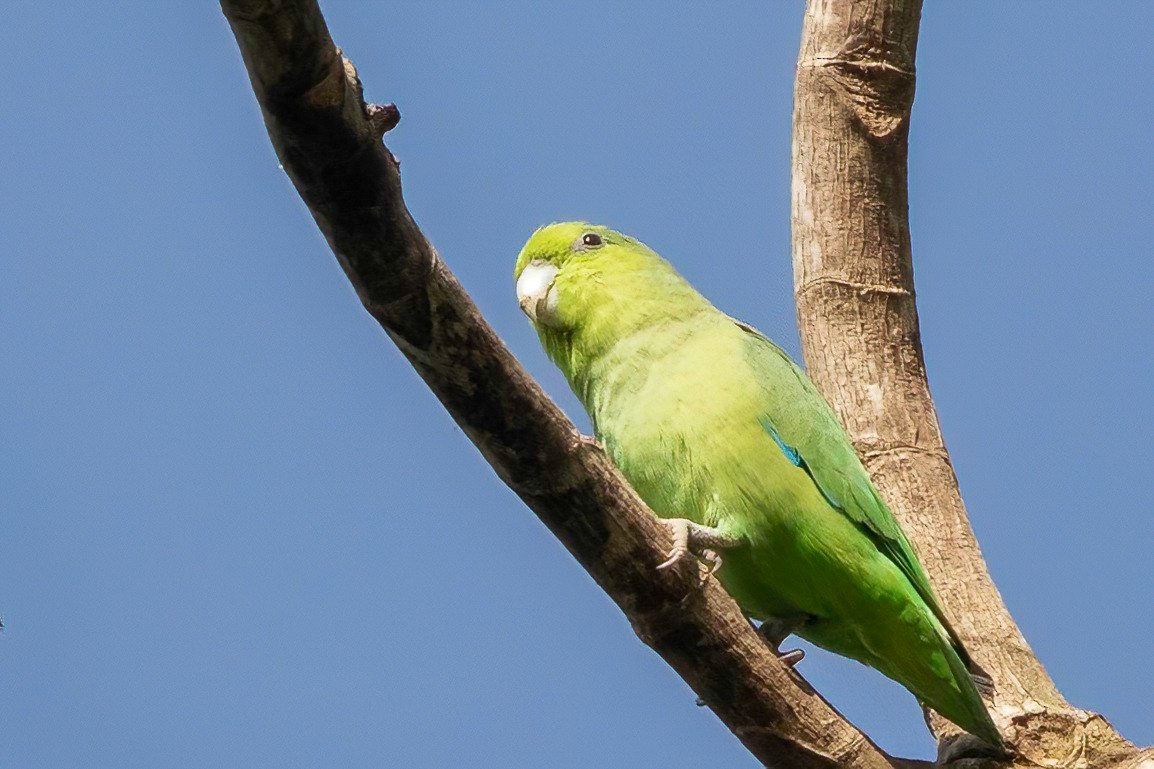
{"x":731,"y":445}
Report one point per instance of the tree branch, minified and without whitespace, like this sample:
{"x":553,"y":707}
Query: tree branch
{"x":328,"y":140}
{"x":853,"y":278}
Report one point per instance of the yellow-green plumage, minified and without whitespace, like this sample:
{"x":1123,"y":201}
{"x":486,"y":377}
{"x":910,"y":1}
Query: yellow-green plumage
{"x":710,"y":421}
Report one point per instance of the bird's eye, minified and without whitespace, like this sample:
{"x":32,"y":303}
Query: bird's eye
{"x":591,"y":239}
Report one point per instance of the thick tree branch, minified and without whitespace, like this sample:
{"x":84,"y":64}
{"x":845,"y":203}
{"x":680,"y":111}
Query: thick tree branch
{"x":329,"y":142}
{"x":853,"y":277}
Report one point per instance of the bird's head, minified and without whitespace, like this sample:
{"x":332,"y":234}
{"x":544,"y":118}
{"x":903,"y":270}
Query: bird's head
{"x":586,"y":288}
{"x":561,"y":263}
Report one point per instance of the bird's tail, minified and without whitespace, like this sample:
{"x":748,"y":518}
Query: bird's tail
{"x":963,"y":703}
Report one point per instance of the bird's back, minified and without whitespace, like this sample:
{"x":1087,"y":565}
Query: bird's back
{"x":710,"y":421}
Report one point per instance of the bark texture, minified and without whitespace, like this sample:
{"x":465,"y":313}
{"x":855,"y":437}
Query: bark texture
{"x":329,"y":142}
{"x":853,"y":280}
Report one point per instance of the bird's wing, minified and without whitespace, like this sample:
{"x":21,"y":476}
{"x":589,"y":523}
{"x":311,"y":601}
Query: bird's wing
{"x":807,"y":431}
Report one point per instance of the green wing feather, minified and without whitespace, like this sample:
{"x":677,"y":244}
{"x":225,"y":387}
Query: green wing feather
{"x":809,"y":433}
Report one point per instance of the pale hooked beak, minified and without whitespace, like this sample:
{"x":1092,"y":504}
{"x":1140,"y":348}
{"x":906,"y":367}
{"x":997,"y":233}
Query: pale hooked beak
{"x":535,"y":294}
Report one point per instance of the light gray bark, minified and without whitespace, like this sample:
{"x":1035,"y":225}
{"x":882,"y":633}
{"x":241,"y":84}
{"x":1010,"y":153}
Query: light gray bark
{"x":853,"y":281}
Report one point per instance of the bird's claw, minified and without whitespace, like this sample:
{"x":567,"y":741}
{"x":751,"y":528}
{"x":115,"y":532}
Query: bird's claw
{"x":774,"y":632}
{"x":712,"y":559}
{"x":791,"y":657}
{"x":679,"y":531}
{"x":697,"y":543}
{"x":590,"y":441}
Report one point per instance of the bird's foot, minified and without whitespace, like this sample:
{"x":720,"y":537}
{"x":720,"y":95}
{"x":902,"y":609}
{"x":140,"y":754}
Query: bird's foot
{"x":964,"y":750}
{"x":775,"y":631}
{"x":791,"y":656}
{"x":694,"y":543}
{"x":712,"y":561}
{"x":589,"y":440}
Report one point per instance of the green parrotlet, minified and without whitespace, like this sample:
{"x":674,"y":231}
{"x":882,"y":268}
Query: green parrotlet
{"x":730,"y":443}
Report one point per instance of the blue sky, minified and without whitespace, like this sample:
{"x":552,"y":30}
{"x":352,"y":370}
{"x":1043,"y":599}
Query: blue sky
{"x":236,"y":530}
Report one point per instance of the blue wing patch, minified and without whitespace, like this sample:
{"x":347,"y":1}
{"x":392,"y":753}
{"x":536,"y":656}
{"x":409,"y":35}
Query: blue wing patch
{"x":789,"y":451}
{"x":796,"y":459}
